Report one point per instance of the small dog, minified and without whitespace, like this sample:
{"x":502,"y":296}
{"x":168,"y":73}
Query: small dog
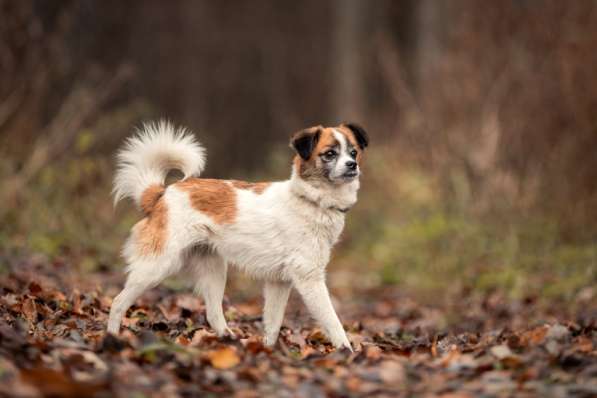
{"x":281,"y":232}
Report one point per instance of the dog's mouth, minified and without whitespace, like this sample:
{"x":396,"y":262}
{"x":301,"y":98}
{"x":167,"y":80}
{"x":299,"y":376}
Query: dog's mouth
{"x":349,"y":175}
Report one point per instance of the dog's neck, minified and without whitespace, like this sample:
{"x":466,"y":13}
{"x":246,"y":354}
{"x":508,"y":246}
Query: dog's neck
{"x":330,"y":197}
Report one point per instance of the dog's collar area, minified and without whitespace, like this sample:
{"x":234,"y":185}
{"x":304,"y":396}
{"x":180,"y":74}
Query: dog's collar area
{"x":343,"y":210}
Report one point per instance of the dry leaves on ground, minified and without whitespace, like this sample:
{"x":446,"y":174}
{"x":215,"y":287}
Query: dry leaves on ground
{"x":53,"y":343}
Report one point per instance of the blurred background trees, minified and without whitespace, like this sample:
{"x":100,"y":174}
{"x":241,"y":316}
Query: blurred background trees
{"x":482,"y":116}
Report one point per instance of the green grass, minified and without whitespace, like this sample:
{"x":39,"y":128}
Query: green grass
{"x":403,"y":231}
{"x":67,"y":211}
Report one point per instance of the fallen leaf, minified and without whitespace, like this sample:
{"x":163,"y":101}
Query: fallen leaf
{"x":317,"y":336}
{"x":558,"y":332}
{"x":373,"y":352}
{"x":76,"y":302}
{"x":53,"y":383}
{"x":584,"y":344}
{"x":296,"y":339}
{"x":308,"y":351}
{"x":353,"y":383}
{"x":501,"y":351}
{"x":34,"y":288}
{"x":506,"y":356}
{"x":224,"y":358}
{"x":170,"y":312}
{"x":535,"y":336}
{"x":202,"y":336}
{"x":452,"y":355}
{"x":29,"y":310}
{"x":254,"y":345}
{"x":391,"y":372}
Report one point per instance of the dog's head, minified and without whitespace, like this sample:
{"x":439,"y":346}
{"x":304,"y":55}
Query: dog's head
{"x":332,"y":154}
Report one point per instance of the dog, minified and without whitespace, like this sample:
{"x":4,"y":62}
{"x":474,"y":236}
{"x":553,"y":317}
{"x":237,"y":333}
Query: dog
{"x":280,"y":232}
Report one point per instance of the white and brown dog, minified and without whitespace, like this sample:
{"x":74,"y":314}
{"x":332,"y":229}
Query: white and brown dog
{"x":281,"y":232}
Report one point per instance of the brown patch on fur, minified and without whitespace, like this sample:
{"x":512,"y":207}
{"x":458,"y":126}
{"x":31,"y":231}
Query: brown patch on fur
{"x":256,"y":187}
{"x":308,"y":169}
{"x":326,"y":140}
{"x":215,"y":198}
{"x":352,"y":139}
{"x":150,"y":197}
{"x":150,"y":233}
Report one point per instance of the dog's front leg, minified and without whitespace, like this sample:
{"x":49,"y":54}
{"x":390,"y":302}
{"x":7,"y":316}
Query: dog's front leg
{"x":275,"y":296}
{"x":315,"y":294}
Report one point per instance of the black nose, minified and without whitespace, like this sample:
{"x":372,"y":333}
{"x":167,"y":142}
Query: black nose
{"x":351,"y":165}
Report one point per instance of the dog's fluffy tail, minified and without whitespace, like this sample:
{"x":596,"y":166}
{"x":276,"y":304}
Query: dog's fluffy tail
{"x":150,"y":154}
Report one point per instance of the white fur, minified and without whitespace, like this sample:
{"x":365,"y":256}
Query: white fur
{"x":283,"y":236}
{"x":148,"y":156}
{"x":343,"y":157}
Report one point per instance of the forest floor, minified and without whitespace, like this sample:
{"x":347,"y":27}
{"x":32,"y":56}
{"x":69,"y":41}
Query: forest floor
{"x":53,"y":343}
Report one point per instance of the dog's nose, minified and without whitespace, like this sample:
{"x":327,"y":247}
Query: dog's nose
{"x":352,"y":165}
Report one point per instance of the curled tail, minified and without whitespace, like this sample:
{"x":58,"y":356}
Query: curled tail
{"x":148,"y":156}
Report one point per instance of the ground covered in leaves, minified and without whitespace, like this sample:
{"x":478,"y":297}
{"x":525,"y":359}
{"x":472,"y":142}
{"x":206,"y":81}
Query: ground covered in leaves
{"x":53,"y":343}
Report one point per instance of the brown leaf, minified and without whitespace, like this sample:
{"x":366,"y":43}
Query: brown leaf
{"x":29,"y":309}
{"x":434,"y":347}
{"x":501,"y":351}
{"x":308,"y":351}
{"x":296,"y":339}
{"x":354,"y":383}
{"x":452,"y":355}
{"x":251,"y":374}
{"x":12,"y":385}
{"x":325,"y":362}
{"x":249,"y":309}
{"x":506,"y":356}
{"x":76,"y":300}
{"x":317,"y":337}
{"x":356,"y":340}
{"x":202,"y":336}
{"x":391,"y":372}
{"x":254,"y":345}
{"x":170,"y":312}
{"x":535,"y":336}
{"x":85,"y":366}
{"x":373,"y":352}
{"x":223,"y":358}
{"x":584,"y":344}
{"x":34,"y":288}
{"x":183,"y":340}
{"x":53,"y":383}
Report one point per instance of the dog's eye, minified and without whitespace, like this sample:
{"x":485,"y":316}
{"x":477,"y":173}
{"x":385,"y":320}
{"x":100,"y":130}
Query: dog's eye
{"x":353,"y":153}
{"x":329,"y":155}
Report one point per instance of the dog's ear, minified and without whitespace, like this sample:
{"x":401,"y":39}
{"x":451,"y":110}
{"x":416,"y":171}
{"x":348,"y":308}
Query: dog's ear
{"x":304,"y":141}
{"x":359,"y":133}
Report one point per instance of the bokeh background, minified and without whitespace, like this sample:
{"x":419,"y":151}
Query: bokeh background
{"x":482,"y":171}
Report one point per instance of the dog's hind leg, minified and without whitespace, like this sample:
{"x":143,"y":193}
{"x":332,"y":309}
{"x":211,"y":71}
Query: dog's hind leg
{"x":275,"y":296}
{"x":210,"y":271}
{"x":143,"y":275}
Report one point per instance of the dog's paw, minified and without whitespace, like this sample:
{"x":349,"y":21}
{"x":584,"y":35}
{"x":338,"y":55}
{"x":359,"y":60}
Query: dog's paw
{"x":113,"y":328}
{"x":270,"y":341}
{"x":346,"y":347}
{"x":343,"y":344}
{"x":226,"y":333}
